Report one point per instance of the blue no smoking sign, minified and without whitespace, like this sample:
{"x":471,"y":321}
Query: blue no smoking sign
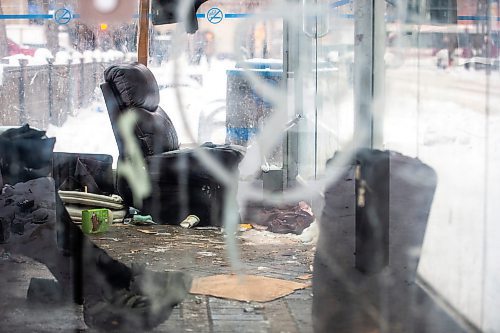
{"x":62,"y":16}
{"x":214,"y":15}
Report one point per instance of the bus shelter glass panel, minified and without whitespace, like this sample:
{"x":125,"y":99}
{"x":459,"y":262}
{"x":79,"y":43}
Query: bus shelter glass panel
{"x":53,"y":62}
{"x":442,"y":106}
{"x":204,"y":76}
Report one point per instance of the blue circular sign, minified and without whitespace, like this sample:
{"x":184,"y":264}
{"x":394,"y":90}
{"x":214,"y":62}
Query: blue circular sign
{"x":62,"y":16}
{"x":214,"y":15}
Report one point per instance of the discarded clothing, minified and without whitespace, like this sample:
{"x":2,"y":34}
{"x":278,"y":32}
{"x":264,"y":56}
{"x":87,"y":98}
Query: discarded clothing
{"x":282,"y":220}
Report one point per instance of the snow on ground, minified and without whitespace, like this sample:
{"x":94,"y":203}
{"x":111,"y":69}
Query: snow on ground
{"x":87,"y":132}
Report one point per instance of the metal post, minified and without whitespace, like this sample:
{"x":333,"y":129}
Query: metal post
{"x":81,"y":94}
{"x":143,"y":39}
{"x":70,"y":89}
{"x":369,"y":48}
{"x":94,"y":69}
{"x":373,"y":168}
{"x":22,"y":91}
{"x":50,"y":62}
{"x":293,"y":86}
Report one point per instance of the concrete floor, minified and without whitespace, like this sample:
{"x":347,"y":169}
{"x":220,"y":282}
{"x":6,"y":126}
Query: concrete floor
{"x":199,"y":252}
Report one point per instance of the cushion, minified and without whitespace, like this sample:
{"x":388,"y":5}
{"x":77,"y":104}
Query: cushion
{"x":135,"y":85}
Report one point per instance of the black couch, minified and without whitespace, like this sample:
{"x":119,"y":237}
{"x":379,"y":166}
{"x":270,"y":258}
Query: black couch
{"x":181,"y":183}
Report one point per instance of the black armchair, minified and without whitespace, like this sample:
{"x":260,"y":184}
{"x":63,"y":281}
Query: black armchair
{"x":181,"y":184}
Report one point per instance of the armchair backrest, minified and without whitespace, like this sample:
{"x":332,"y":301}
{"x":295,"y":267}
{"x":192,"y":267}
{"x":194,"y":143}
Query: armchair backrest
{"x":133,"y":87}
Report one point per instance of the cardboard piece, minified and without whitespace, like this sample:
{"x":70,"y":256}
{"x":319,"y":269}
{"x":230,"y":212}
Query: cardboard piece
{"x":247,"y":288}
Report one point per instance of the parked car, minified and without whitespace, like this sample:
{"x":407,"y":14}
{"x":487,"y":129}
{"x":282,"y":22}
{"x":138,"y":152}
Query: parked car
{"x":15,"y":48}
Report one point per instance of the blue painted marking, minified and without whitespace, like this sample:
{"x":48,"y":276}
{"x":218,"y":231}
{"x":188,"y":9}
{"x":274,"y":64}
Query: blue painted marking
{"x":200,"y":15}
{"x":340,"y":3}
{"x":241,"y":133}
{"x":347,"y":16}
{"x":214,"y":15}
{"x":237,"y":15}
{"x":477,"y":18}
{"x":62,"y":16}
{"x":25,"y":16}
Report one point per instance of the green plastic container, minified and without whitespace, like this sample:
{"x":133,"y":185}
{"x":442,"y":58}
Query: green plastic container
{"x":95,"y":221}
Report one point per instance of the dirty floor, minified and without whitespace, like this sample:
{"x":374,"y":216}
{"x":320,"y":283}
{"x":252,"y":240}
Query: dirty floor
{"x":201,"y":252}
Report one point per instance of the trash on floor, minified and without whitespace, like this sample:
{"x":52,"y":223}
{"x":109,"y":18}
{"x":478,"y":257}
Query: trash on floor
{"x":149,"y":232}
{"x":190,"y":222}
{"x":245,"y":227}
{"x":310,"y":234}
{"x":305,"y":277}
{"x":95,"y":221}
{"x":255,"y":237}
{"x":206,"y":254}
{"x":139,"y":220}
{"x":246,"y":288}
{"x":285,"y":219}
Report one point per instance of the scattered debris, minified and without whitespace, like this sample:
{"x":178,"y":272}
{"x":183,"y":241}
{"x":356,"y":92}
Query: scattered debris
{"x":207,"y":228}
{"x":120,"y":225}
{"x":190,"y":222}
{"x":260,"y":227}
{"x":139,"y":220}
{"x":249,"y":309}
{"x":310,"y":234}
{"x":262,"y":268}
{"x":159,"y":249}
{"x":206,"y":254}
{"x":214,"y":242}
{"x":304,"y":277}
{"x":283,"y":219}
{"x":245,"y":227}
{"x":255,"y":237}
{"x":149,"y":232}
{"x":109,"y":238}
